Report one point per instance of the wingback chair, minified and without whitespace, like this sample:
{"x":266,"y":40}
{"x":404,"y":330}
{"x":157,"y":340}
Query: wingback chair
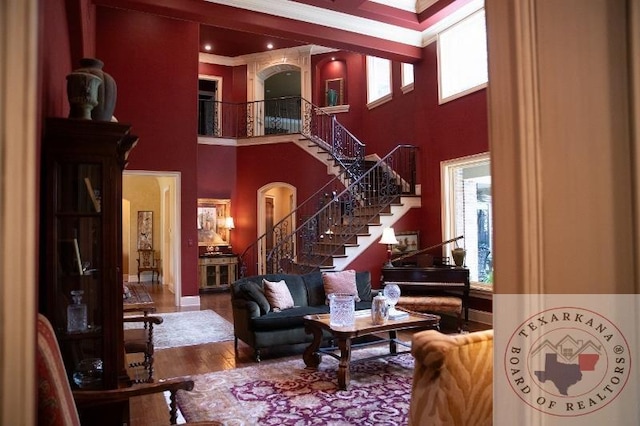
{"x":452,"y":379}
{"x":57,"y":402}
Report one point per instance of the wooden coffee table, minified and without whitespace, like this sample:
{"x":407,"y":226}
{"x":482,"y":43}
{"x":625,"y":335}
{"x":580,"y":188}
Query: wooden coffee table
{"x":315,"y":324}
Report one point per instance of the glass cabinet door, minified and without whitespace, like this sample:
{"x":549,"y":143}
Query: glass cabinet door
{"x":78,"y":262}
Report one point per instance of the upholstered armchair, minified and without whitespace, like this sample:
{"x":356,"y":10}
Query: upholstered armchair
{"x":452,"y":379}
{"x":57,"y":402}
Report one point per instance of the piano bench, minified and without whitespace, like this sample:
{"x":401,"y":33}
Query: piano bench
{"x":440,"y":304}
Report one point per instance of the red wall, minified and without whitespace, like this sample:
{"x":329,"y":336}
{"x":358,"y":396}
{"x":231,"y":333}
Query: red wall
{"x":259,"y":165}
{"x":157,"y":78}
{"x":441,"y":132}
{"x":54,"y":59}
{"x":234,"y":80}
{"x":217,"y":172}
{"x":157,"y":92}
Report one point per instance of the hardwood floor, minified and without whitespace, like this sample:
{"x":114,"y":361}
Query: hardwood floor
{"x":183,"y":361}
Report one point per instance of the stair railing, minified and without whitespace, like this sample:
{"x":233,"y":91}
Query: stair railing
{"x":306,"y":240}
{"x":281,"y":116}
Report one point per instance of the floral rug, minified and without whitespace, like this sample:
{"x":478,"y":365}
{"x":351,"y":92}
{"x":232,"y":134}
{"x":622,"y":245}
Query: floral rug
{"x":284,"y":392}
{"x":189,"y":328}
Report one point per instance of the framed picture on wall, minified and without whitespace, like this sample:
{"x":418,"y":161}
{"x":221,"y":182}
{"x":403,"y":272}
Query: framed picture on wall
{"x":408,"y":241}
{"x":334,"y":89}
{"x":212,"y":216}
{"x":145,"y":230}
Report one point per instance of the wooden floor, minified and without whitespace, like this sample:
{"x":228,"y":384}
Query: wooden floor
{"x":183,"y":361}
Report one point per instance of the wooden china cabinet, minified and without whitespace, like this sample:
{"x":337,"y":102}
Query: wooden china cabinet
{"x":81,"y":250}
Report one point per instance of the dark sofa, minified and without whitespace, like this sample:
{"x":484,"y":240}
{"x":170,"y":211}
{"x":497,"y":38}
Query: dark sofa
{"x":256,"y":324}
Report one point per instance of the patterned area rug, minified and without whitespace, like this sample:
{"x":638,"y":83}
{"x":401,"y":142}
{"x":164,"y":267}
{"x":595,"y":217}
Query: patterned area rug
{"x":189,"y":328}
{"x":286,"y":393}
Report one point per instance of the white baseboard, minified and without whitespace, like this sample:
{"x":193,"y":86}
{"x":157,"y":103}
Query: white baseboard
{"x":190,"y":301}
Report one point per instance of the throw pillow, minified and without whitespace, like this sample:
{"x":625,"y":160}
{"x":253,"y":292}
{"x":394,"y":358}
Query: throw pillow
{"x":278,"y":295}
{"x":340,"y":282}
{"x":254,"y":292}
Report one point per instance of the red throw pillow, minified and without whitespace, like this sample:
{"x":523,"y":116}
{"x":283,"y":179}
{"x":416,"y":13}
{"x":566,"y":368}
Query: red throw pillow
{"x":341,"y":282}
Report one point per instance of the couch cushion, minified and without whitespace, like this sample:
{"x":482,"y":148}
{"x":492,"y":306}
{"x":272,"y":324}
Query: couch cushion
{"x":278,"y":295}
{"x":341,"y":282}
{"x":363,"y":282}
{"x":315,"y":287}
{"x":289,"y":318}
{"x":253,"y":291}
{"x":295,"y":284}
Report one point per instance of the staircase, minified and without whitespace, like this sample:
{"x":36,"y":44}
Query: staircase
{"x":344,"y":217}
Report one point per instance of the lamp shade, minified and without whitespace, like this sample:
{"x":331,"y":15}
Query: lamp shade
{"x":228,"y":223}
{"x":388,"y":236}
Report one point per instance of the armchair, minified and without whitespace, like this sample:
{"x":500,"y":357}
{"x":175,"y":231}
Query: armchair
{"x":140,"y":340}
{"x":57,"y":403}
{"x":148,"y":262}
{"x":452,"y":379}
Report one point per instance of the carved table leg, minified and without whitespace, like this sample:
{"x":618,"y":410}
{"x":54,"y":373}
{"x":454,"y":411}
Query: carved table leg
{"x":311,"y":355}
{"x":393,"y":348}
{"x":343,"y":369}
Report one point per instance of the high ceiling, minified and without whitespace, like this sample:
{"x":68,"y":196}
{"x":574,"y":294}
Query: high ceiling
{"x":395,"y":29}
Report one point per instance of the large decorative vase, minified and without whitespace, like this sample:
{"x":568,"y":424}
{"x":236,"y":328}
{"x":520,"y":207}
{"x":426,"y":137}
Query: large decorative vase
{"x":82,"y":91}
{"x":458,"y":254}
{"x":107,"y":92}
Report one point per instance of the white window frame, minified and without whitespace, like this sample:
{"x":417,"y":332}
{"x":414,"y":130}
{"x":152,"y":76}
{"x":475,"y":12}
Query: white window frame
{"x":408,"y":77}
{"x":454,"y":79}
{"x":448,"y":169}
{"x":377,"y":78}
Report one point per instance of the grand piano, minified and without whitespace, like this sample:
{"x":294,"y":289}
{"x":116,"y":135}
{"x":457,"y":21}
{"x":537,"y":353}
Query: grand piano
{"x":442,"y":279}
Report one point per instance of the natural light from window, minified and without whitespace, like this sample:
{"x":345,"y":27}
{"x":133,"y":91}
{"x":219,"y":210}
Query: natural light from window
{"x":378,"y":80}
{"x":462,"y":57}
{"x":467,"y":211}
{"x":407,"y":77}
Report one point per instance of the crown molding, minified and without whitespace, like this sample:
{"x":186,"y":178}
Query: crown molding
{"x":208,"y":58}
{"x":328,"y":18}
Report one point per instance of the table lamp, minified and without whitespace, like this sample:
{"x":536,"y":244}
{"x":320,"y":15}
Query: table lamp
{"x":388,"y":238}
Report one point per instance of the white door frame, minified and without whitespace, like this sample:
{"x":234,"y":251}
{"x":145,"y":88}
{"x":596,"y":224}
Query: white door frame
{"x":169,"y":181}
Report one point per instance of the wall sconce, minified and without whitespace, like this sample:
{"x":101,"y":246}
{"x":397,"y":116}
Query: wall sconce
{"x":228,"y":223}
{"x":388,"y":238}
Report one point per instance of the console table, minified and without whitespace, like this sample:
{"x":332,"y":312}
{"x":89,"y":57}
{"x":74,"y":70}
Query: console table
{"x":426,"y":281}
{"x":216,"y":273}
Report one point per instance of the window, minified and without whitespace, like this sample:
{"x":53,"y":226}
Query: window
{"x":462,"y":57}
{"x":378,"y":81}
{"x":466,"y":193}
{"x":407,"y":77}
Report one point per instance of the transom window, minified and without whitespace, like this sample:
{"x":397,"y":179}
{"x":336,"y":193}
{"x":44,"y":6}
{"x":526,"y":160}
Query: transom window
{"x":467,"y":211}
{"x":462,"y":57}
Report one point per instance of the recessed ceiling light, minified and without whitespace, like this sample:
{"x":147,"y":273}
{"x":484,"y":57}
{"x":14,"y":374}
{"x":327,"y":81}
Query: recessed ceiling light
{"x":208,"y":47}
{"x":270,"y":46}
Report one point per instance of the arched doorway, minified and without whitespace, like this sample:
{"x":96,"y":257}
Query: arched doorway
{"x":276,"y":200}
